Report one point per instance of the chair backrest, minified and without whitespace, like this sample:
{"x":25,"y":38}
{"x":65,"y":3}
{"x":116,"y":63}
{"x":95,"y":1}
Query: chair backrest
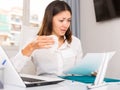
{"x":26,"y":34}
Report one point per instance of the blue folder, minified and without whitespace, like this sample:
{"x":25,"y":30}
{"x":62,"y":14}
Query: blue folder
{"x":87,"y":79}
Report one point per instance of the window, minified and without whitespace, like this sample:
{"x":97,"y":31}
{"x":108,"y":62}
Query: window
{"x":10,"y":21}
{"x":11,"y":18}
{"x":37,"y":9}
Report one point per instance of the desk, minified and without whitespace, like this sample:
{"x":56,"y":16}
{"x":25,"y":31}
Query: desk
{"x":66,"y":85}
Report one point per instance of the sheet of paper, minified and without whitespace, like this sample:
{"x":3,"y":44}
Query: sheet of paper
{"x":90,"y":63}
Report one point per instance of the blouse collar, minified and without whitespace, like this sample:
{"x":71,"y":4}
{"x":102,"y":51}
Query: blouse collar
{"x":65,"y":44}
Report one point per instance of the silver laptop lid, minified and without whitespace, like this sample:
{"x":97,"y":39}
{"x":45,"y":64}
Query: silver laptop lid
{"x":12,"y":77}
{"x":103,"y":67}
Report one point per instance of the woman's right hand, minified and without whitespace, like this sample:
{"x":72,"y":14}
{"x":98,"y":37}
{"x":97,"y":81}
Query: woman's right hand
{"x":38,"y":43}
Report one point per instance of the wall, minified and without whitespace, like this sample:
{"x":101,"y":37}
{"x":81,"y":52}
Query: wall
{"x":100,"y":36}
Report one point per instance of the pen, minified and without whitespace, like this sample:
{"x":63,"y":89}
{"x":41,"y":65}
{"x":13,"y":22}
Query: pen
{"x":4,"y":61}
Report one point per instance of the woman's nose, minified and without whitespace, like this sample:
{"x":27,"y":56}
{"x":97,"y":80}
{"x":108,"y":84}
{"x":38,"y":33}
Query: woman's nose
{"x":66,"y":24}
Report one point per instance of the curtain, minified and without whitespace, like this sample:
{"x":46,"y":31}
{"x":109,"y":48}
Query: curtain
{"x":75,"y":6}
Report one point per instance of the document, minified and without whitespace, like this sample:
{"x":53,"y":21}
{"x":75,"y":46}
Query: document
{"x":91,"y":62}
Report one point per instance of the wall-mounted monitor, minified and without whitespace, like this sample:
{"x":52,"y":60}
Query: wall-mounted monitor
{"x":106,"y":9}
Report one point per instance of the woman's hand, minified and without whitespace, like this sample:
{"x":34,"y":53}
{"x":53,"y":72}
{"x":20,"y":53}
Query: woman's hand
{"x":38,"y":43}
{"x":42,"y":42}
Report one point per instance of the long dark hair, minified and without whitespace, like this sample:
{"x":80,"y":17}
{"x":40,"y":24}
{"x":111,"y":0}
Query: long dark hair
{"x":52,"y":9}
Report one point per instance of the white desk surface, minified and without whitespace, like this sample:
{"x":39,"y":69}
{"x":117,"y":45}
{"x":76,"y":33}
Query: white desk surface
{"x":66,"y":85}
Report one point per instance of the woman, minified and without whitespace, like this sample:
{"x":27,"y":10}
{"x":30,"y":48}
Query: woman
{"x":54,"y":49}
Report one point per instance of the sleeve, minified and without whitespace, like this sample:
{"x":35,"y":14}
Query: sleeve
{"x":19,"y":61}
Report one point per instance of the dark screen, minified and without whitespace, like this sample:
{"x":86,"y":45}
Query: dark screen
{"x":106,"y":9}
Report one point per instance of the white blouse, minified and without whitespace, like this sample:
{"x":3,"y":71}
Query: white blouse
{"x":48,"y":61}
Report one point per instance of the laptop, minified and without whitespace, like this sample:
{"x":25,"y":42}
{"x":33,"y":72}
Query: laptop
{"x":12,"y":77}
{"x":91,"y":62}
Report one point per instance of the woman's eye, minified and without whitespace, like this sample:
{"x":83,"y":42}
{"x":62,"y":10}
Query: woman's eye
{"x":61,"y":20}
{"x":69,"y":20}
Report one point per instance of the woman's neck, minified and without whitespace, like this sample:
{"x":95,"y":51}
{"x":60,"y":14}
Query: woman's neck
{"x":61,"y":40}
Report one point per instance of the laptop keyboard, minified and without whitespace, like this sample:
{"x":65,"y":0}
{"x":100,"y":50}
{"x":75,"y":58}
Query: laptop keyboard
{"x":31,"y":82}
{"x":30,"y":79}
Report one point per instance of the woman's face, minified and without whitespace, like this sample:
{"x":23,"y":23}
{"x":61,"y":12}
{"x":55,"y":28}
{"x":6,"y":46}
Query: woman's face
{"x":61,"y":22}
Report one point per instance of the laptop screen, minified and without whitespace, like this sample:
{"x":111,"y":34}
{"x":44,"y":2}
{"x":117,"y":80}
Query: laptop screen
{"x":12,"y":77}
{"x":113,"y":72}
